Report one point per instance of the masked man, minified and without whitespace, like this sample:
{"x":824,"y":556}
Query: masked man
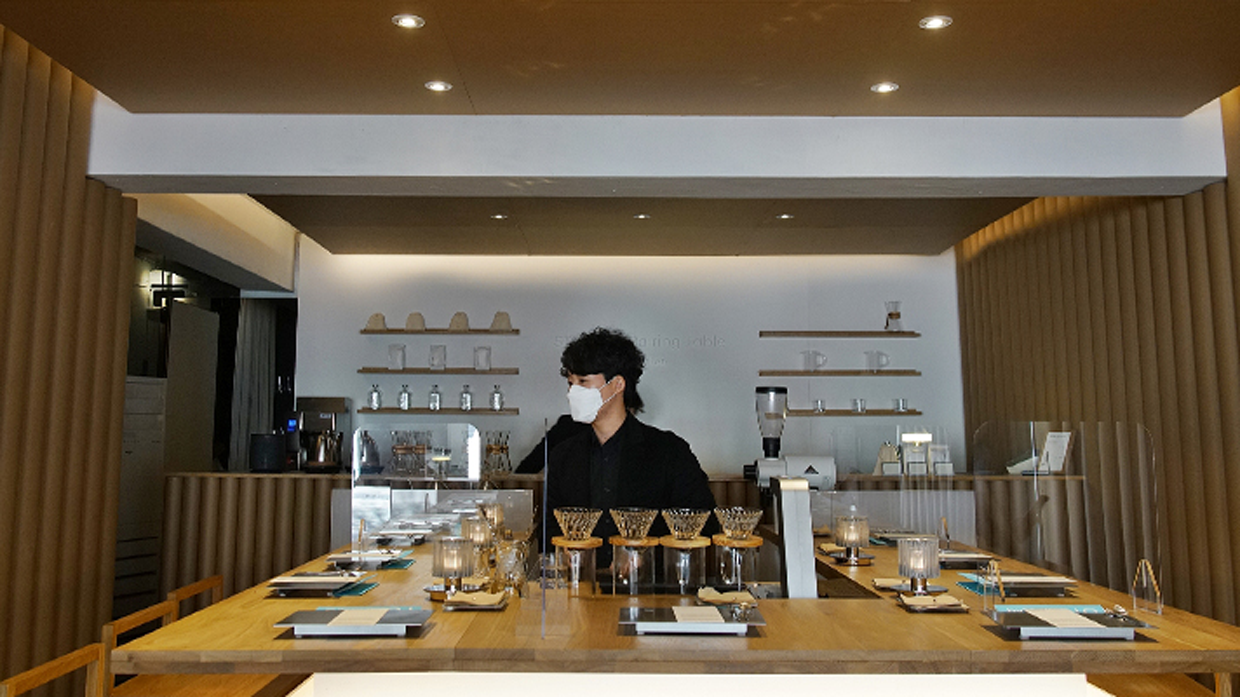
{"x":619,"y":461}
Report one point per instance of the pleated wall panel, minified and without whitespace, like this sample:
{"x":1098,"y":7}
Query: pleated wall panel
{"x":1121,"y":311}
{"x":245,"y":527}
{"x":64,"y":277}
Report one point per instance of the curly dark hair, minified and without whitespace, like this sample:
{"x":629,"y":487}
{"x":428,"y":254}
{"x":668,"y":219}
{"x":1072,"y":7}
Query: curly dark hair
{"x":610,"y":352}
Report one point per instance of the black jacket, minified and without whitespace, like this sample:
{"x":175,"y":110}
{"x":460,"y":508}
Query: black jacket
{"x":657,"y":470}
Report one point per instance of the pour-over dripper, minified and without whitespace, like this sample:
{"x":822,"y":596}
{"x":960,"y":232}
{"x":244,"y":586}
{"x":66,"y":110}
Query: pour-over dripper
{"x":634,"y":523}
{"x":738,"y":522}
{"x":577,"y":523}
{"x":685,"y":523}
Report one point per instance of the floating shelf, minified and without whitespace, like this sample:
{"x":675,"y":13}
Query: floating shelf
{"x":423,"y":411}
{"x":445,"y":371}
{"x":859,"y":373}
{"x":849,"y":412}
{"x":827,"y":334}
{"x":496,"y":332}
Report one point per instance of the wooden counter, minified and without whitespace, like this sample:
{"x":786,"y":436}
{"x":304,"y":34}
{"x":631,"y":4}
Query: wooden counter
{"x":834,"y":635}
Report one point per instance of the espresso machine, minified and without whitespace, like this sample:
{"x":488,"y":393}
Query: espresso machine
{"x":321,"y":423}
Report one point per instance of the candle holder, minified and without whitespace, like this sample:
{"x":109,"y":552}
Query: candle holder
{"x":452,"y":559}
{"x":478,"y":531}
{"x":852,"y":532}
{"x":493,"y":512}
{"x":919,"y":561}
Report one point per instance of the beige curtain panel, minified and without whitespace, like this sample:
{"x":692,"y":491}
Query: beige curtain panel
{"x":1124,"y":311}
{"x":64,"y":277}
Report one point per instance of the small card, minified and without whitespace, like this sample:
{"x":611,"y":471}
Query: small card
{"x":360,"y":617}
{"x":697,"y":613}
{"x":1059,"y":617}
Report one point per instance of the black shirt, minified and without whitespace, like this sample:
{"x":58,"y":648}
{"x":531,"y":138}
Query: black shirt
{"x":651,"y":469}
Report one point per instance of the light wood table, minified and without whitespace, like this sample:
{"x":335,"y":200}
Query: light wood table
{"x":833,"y":635}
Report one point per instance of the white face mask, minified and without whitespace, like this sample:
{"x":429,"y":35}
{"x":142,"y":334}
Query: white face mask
{"x":584,"y":403}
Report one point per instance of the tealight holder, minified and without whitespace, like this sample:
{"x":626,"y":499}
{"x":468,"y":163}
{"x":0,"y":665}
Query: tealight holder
{"x":852,"y":532}
{"x":919,"y":562}
{"x":478,"y":531}
{"x":493,"y":512}
{"x":452,"y":559}
{"x":736,"y":548}
{"x":632,"y":561}
{"x":575,"y":550}
{"x":684,"y":551}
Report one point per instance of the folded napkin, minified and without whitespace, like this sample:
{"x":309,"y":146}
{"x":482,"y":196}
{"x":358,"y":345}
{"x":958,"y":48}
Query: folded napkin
{"x":829,"y":547}
{"x":477,"y":599}
{"x":888,"y":583}
{"x":930,"y":601}
{"x":714,"y":597}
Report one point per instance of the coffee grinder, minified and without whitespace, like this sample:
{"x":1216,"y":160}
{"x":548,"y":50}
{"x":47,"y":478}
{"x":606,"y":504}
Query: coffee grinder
{"x":771,"y":403}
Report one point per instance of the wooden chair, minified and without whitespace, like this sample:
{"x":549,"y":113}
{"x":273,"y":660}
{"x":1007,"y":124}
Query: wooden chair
{"x":205,"y":685}
{"x":89,"y":656}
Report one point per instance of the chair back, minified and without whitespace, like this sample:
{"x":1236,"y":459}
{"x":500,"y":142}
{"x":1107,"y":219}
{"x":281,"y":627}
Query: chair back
{"x":215,"y":584}
{"x":90,"y":656}
{"x":167,"y":612}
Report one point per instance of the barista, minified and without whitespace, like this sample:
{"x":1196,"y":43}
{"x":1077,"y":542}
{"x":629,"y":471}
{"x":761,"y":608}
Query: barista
{"x":619,"y":461}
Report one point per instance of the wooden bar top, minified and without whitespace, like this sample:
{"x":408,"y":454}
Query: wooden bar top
{"x":830,"y":635}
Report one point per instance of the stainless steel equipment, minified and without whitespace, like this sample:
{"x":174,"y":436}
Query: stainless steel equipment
{"x":321,"y":425}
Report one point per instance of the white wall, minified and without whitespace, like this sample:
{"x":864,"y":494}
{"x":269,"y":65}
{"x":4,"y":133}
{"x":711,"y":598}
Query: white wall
{"x":697,"y":319}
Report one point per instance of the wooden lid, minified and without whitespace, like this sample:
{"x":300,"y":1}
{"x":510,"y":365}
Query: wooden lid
{"x":588,"y":543}
{"x":722,"y":540}
{"x":617,"y":541}
{"x":677,"y":543}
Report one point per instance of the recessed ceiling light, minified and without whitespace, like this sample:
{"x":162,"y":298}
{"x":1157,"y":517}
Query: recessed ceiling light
{"x":785,"y":216}
{"x":884,"y":87}
{"x":499,"y":216}
{"x":642,"y":216}
{"x":408,"y":21}
{"x":935,"y":22}
{"x":438,"y":86}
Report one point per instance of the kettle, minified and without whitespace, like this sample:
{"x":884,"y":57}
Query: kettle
{"x":368,"y":462}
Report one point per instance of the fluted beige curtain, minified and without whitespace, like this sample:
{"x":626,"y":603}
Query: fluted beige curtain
{"x":254,"y":378}
{"x":1125,"y":310}
{"x":64,"y":273}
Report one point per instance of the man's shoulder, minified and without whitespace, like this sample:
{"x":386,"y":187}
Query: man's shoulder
{"x":658,"y":437}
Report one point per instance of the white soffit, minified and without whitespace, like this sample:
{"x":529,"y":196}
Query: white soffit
{"x":670,"y":156}
{"x":229,"y":236}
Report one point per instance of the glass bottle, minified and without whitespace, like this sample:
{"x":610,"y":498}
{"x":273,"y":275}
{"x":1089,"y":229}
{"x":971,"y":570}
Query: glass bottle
{"x":467,"y":399}
{"x":497,"y":399}
{"x":435,"y":400}
{"x":374,"y":398}
{"x":404,"y":400}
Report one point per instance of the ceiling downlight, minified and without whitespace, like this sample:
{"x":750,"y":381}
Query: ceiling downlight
{"x":408,"y":21}
{"x":935,"y":22}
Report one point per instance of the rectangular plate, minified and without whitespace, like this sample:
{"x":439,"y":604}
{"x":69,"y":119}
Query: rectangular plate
{"x":1092,"y":626}
{"x":662,"y":620}
{"x":395,"y":622}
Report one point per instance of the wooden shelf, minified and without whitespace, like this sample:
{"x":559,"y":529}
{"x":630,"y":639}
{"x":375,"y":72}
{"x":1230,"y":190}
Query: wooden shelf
{"x":423,"y":411}
{"x":827,"y":334}
{"x":445,"y":371}
{"x":849,"y":412}
{"x":859,"y":373}
{"x":493,"y":332}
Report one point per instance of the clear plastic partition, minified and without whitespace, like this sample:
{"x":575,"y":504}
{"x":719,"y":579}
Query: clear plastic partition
{"x":415,"y":480}
{"x":1075,"y":498}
